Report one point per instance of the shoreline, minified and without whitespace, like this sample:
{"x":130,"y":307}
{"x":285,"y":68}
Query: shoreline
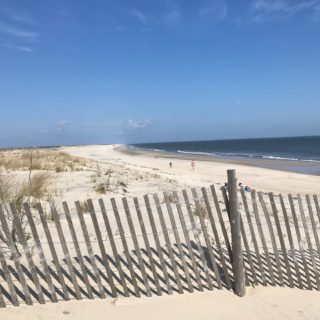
{"x":297,"y":166}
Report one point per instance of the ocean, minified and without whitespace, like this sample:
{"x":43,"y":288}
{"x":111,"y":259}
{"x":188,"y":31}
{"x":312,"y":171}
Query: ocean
{"x":299,"y":154}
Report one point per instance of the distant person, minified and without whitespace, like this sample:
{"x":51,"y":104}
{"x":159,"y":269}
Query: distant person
{"x":193,"y":164}
{"x":247,"y":189}
{"x":170,"y":164}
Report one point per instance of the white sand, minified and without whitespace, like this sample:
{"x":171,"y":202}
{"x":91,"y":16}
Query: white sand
{"x":260,"y":303}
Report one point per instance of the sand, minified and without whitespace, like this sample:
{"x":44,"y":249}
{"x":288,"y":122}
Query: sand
{"x":260,"y":303}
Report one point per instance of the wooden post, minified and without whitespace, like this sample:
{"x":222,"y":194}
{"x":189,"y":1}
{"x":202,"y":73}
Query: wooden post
{"x":237,"y":263}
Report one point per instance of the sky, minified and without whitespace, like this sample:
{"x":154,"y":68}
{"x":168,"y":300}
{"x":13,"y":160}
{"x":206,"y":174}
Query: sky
{"x":124,"y":71}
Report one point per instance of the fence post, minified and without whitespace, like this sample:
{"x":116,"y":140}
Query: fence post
{"x":237,"y":261}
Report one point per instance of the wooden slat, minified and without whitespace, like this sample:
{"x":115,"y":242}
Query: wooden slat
{"x":8,"y":278}
{"x":292,"y":248}
{"x":272,"y":237}
{"x":306,"y":230}
{"x":197,"y":238}
{"x":178,"y":242}
{"x":125,"y":247}
{"x":187,"y":239}
{"x":168,"y":243}
{"x":253,"y":236}
{"x":261,"y":235}
{"x":102,"y":248}
{"x":2,"y":302}
{"x":15,"y":258}
{"x":206,"y":238}
{"x":147,"y":244}
{"x":42,"y":257}
{"x":27,"y":252}
{"x":84,"y":269}
{"x":136,"y":247}
{"x":65,"y":251}
{"x":157,"y":242}
{"x":89,"y":249}
{"x":316,"y":201}
{"x":216,"y":237}
{"x":53,"y":251}
{"x":302,"y":251}
{"x":221,"y":221}
{"x":281,"y":238}
{"x":114,"y":248}
{"x":313,"y":223}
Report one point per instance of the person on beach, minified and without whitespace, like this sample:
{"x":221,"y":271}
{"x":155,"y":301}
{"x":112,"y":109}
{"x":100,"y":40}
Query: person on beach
{"x":193,"y":164}
{"x":170,"y":164}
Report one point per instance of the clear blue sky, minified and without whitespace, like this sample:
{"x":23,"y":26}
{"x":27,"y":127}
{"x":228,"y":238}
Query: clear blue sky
{"x":100,"y":71}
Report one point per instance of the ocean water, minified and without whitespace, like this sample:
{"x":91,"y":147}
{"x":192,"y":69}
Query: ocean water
{"x":302,"y":153}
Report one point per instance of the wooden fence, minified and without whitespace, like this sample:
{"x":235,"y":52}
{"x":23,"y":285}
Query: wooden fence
{"x":166,"y":243}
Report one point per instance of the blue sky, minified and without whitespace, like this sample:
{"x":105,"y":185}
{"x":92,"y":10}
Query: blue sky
{"x":99,"y":71}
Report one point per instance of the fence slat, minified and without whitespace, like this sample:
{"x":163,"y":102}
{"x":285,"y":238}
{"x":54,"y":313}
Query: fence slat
{"x":296,"y":225}
{"x":316,"y":201}
{"x":53,"y":251}
{"x":281,"y":238}
{"x":178,"y":242}
{"x":65,"y":251}
{"x":293,"y":251}
{"x":187,"y":239}
{"x":83,"y":268}
{"x":136,"y":246}
{"x":206,"y":237}
{"x":216,"y":237}
{"x":262,"y":237}
{"x":253,"y":236}
{"x":272,"y":237}
{"x":8,"y":278}
{"x":125,"y":247}
{"x":42,"y":257}
{"x":27,"y":252}
{"x":113,"y":247}
{"x":198,"y":242}
{"x":306,"y":230}
{"x":15,"y":258}
{"x":102,"y":248}
{"x":147,"y":244}
{"x":157,"y":242}
{"x":92,"y":257}
{"x":2,"y":302}
{"x":313,"y":223}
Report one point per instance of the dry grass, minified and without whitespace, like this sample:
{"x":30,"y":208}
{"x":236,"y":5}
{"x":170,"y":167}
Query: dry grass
{"x":40,"y":159}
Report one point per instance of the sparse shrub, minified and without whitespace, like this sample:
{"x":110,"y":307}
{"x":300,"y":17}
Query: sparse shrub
{"x":202,"y":209}
{"x":100,"y":188}
{"x":84,"y":207}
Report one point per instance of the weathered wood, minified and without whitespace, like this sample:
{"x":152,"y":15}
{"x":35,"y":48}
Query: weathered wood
{"x":300,"y":243}
{"x":136,"y":247}
{"x":237,"y":263}
{"x":53,"y":251}
{"x":90,"y":250}
{"x":178,"y":242}
{"x":8,"y":278}
{"x":281,"y":238}
{"x":292,"y":248}
{"x":168,"y":243}
{"x":157,"y":242}
{"x":221,"y":221}
{"x":216,"y":237}
{"x":197,"y":238}
{"x":313,"y":223}
{"x":272,"y":237}
{"x":27,"y":252}
{"x":206,"y":238}
{"x":84,"y":269}
{"x":125,"y":248}
{"x":65,"y":251}
{"x":147,"y":244}
{"x":102,"y":248}
{"x":316,"y":202}
{"x":2,"y":302}
{"x":187,"y":239}
{"x":15,"y":257}
{"x":113,"y":247}
{"x":306,"y":230}
{"x":261,"y":235}
{"x":42,"y":257}
{"x":253,"y":236}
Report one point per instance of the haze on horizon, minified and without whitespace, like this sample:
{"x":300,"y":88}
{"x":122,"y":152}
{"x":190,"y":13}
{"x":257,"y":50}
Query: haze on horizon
{"x":84,"y":72}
